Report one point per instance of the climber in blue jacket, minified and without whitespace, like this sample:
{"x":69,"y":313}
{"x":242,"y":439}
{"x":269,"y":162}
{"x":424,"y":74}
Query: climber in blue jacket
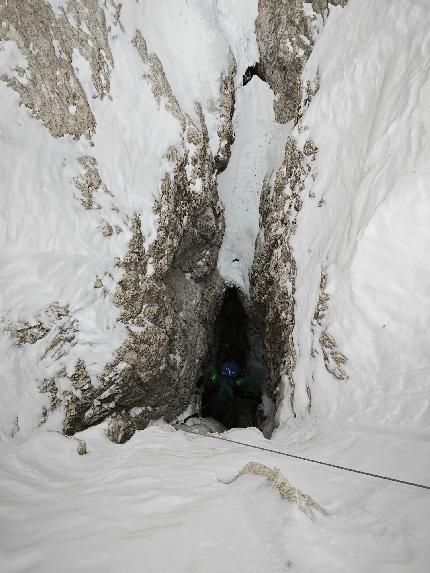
{"x":230,"y":398}
{"x":218,"y":397}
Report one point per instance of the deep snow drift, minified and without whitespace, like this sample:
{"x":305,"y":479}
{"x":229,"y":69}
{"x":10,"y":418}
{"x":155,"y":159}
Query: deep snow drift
{"x":160,"y":502}
{"x":366,"y":222}
{"x":361,"y":301}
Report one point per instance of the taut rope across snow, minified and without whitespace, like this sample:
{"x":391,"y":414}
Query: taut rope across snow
{"x":316,"y":461}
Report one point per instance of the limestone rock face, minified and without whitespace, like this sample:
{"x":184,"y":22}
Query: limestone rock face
{"x":49,"y":85}
{"x":131,"y":215}
{"x":168,"y":295}
{"x":160,"y":291}
{"x":274,"y":270}
{"x":285,"y":35}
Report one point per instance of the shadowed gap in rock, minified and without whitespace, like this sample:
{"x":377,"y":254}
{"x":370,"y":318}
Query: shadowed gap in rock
{"x":233,"y":381}
{"x":250,"y":72}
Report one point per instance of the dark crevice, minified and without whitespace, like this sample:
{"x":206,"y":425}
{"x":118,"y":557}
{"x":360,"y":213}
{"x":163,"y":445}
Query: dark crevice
{"x":238,"y":399}
{"x":231,"y":329}
{"x":251,"y":71}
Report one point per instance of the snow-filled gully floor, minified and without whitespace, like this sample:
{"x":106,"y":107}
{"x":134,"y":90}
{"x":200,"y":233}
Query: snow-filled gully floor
{"x":158,"y":504}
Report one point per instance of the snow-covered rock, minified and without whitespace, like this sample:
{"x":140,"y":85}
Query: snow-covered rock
{"x":111,"y":222}
{"x":339,"y":274}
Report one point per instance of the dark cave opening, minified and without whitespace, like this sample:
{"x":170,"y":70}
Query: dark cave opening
{"x":233,"y":384}
{"x":250,"y":72}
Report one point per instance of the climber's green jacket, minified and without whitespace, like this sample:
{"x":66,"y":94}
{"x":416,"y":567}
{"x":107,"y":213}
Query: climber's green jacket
{"x":219,"y":384}
{"x":211,"y":375}
{"x":227,"y":388}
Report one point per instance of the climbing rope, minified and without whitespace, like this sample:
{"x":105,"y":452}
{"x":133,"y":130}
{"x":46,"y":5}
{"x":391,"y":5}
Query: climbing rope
{"x":315,"y":461}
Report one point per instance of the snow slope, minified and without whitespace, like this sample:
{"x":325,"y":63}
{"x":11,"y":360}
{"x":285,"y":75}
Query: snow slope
{"x":159,"y":502}
{"x":366,"y":221}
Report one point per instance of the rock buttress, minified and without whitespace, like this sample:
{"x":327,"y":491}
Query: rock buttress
{"x":171,"y":291}
{"x":286,"y":35}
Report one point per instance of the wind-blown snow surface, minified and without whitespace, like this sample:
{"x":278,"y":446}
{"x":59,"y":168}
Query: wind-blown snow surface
{"x":158,"y":502}
{"x":368,"y":221}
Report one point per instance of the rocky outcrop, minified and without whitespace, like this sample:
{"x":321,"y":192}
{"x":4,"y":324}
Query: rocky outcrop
{"x":49,"y":84}
{"x":286,"y":35}
{"x":169,"y":296}
{"x":226,"y":107}
{"x":274,"y":269}
{"x":170,"y":292}
{"x":89,"y":182}
{"x":167,"y":291}
{"x":334,"y":359}
{"x":285,"y":32}
{"x":55,"y":327}
{"x":275,"y":479}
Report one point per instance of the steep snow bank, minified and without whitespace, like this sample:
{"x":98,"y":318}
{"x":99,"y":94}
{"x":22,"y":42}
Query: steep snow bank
{"x":364,"y":218}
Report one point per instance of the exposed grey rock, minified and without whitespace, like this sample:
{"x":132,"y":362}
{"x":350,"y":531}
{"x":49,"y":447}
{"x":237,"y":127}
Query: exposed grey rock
{"x":334,"y":359}
{"x":54,"y":326}
{"x":81,"y":448}
{"x":273,"y":272}
{"x":49,"y":386}
{"x":26,"y":333}
{"x":225,"y":131}
{"x":169,"y":293}
{"x":62,"y":335}
{"x":285,"y":37}
{"x":80,"y":377}
{"x":118,"y":431}
{"x":275,"y":478}
{"x":49,"y":86}
{"x":89,"y":182}
{"x":323,"y":298}
{"x":159,"y":84}
{"x":170,"y":313}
